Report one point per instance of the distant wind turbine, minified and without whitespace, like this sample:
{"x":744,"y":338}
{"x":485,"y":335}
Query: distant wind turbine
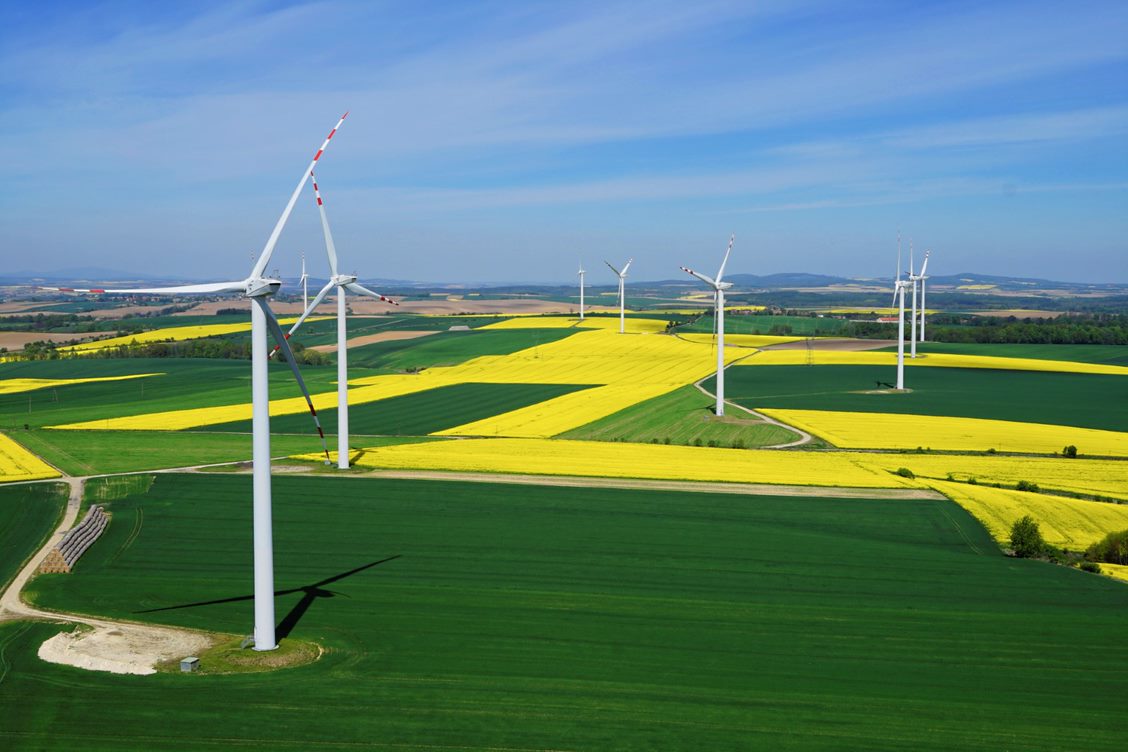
{"x":305,"y":285}
{"x":899,"y":286}
{"x":622,"y":275}
{"x":923,"y":288}
{"x":342,"y":282}
{"x":719,"y":288}
{"x":581,"y":273}
{"x":915,"y":278}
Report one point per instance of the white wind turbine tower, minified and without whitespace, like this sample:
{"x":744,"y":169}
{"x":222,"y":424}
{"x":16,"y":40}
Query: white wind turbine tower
{"x":719,"y":288}
{"x":915,"y":278}
{"x":304,"y":281}
{"x":923,"y":287}
{"x":342,"y":282}
{"x":258,"y":289}
{"x":622,"y":275}
{"x":581,"y":273}
{"x":899,"y":286}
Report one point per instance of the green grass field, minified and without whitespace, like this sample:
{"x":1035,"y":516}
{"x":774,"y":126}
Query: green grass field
{"x":752,"y":324}
{"x":450,"y":348}
{"x":324,"y":332}
{"x":186,"y":383}
{"x":1111,"y":354}
{"x":522,"y":617}
{"x":95,"y":452}
{"x":1068,"y":399}
{"x":28,"y":514}
{"x":683,"y":416}
{"x":420,"y":413}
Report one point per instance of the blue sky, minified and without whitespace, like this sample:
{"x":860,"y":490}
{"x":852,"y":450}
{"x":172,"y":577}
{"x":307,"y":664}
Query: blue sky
{"x":502,"y":141}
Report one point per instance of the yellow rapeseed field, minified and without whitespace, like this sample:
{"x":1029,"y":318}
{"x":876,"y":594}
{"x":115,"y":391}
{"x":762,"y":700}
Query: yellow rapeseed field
{"x":11,"y":386}
{"x":638,"y":366}
{"x":1119,"y":571}
{"x":622,"y":460}
{"x":173,"y":333}
{"x":941,"y":360}
{"x":16,"y":463}
{"x":851,"y":430}
{"x":1096,"y":477}
{"x":631,"y":325}
{"x":1066,"y":523}
{"x":561,"y":414}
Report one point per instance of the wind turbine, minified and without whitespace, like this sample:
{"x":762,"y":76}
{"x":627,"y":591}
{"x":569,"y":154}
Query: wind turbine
{"x":581,"y":273}
{"x":899,"y":286}
{"x":923,"y":287}
{"x":719,"y":288}
{"x":342,"y":282}
{"x":622,"y":275}
{"x":304,"y":282}
{"x":916,"y":278}
{"x":258,"y":289}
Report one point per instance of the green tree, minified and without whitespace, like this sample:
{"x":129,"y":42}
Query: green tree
{"x":1026,"y":538}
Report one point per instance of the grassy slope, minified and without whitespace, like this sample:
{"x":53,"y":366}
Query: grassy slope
{"x":800,"y":325}
{"x":682,"y":416}
{"x":94,"y":452}
{"x":420,"y":413}
{"x":1086,"y":400}
{"x":186,"y":383}
{"x":28,"y":514}
{"x":325,"y":332}
{"x":1111,"y":354}
{"x":204,"y":383}
{"x":524,"y":617}
{"x":449,"y":348}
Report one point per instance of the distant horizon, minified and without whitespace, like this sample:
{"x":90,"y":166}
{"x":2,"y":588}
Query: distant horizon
{"x":111,"y":275}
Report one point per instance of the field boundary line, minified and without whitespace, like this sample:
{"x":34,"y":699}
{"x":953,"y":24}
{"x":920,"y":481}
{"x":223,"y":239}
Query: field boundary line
{"x":576,"y":481}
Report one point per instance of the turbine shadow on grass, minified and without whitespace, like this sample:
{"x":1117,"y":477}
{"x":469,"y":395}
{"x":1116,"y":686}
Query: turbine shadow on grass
{"x":310,"y":593}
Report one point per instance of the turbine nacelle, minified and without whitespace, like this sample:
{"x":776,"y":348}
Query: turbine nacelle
{"x":344,"y":279}
{"x":262,"y":287}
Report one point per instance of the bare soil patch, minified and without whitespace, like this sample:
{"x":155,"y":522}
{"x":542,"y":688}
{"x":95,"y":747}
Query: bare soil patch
{"x":368,"y":339}
{"x":16,"y":341}
{"x":1020,"y":313}
{"x":122,"y":648}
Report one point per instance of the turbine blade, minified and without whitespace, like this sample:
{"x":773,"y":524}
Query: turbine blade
{"x":707,"y":280}
{"x":628,"y":266}
{"x":305,"y":314}
{"x":612,"y":268}
{"x":239,"y":286}
{"x":330,"y":248}
{"x":721,"y":272}
{"x":924,"y":266}
{"x":268,"y":249}
{"x":362,"y":290}
{"x":280,"y":338}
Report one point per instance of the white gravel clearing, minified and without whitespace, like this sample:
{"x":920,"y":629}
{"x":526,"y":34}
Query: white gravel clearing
{"x":121,"y":648}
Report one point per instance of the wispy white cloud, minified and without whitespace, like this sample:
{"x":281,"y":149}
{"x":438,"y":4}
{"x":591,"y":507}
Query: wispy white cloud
{"x":464,"y":108}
